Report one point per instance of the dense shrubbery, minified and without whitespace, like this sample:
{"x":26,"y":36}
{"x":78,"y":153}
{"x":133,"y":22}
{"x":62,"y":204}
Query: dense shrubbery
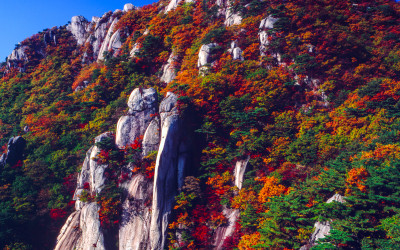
{"x":301,"y":150}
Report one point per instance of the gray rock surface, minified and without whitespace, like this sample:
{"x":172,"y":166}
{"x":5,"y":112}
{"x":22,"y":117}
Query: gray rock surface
{"x":221,"y":233}
{"x":171,"y":160}
{"x":142,"y":105}
{"x":151,"y":138}
{"x":70,"y":234}
{"x":322,"y":228}
{"x":97,"y":179}
{"x":142,"y":99}
{"x":100,"y":29}
{"x":18,"y":54}
{"x":111,"y":41}
{"x":240,"y":169}
{"x":205,"y":54}
{"x":168,"y":69}
{"x":268,"y":23}
{"x":232,"y":18}
{"x":236,"y":52}
{"x":79,"y":28}
{"x":136,"y":215}
{"x":128,"y":7}
{"x":83,"y":177}
{"x":92,"y":235}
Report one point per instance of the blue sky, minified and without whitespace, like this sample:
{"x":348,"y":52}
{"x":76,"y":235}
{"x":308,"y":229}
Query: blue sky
{"x":22,"y":18}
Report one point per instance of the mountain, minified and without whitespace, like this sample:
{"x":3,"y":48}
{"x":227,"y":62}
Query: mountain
{"x":205,"y":125}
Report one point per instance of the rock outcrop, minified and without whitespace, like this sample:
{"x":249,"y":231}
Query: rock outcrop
{"x":174,"y":3}
{"x":223,"y":232}
{"x":146,"y":207}
{"x":15,"y":151}
{"x":240,"y":169}
{"x":18,"y":54}
{"x":151,"y":138}
{"x":79,"y":28}
{"x":112,"y":41}
{"x":136,"y":214}
{"x":235,"y":51}
{"x":128,"y":7}
{"x":142,"y":105}
{"x":265,"y":25}
{"x":92,"y":235}
{"x":170,"y":169}
{"x":322,"y":228}
{"x":169,"y":69}
{"x":232,"y":18}
{"x":70,"y":235}
{"x":205,"y":56}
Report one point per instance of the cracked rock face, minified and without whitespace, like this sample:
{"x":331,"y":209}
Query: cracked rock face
{"x":136,"y":215}
{"x":146,"y":207}
{"x":169,"y":172}
{"x":142,"y":105}
{"x":92,"y":235}
{"x":70,"y":234}
{"x":111,"y":41}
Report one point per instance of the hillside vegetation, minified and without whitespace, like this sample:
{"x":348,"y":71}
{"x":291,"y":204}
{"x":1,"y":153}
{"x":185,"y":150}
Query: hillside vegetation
{"x":314,"y":106}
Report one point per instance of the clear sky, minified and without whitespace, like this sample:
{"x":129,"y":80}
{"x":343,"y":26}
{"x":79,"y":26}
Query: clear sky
{"x":21,"y":19}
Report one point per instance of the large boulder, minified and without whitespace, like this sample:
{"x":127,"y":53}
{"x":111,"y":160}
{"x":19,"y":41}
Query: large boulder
{"x":78,"y":28}
{"x":128,"y":7}
{"x":235,"y":51}
{"x":151,"y":138}
{"x":205,"y":54}
{"x":142,"y":105}
{"x":232,"y":18}
{"x":268,"y":22}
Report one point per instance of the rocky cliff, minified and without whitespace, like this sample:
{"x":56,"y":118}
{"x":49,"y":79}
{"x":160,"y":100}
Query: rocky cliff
{"x":146,"y":205}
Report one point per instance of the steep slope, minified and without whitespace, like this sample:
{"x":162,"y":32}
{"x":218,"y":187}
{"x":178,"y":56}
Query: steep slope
{"x":243,"y":119}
